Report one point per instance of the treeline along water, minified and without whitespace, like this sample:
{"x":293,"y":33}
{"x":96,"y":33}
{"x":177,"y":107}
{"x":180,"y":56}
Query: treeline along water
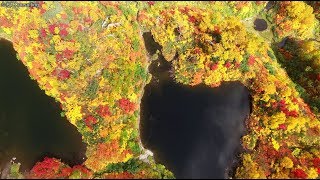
{"x":194,"y":131}
{"x":30,"y":123}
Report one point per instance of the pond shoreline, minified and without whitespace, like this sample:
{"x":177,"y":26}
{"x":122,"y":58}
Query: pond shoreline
{"x":160,"y":72}
{"x":23,"y":132}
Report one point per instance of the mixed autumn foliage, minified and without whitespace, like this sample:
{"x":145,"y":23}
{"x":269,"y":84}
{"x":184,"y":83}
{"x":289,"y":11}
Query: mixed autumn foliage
{"x":91,"y":58}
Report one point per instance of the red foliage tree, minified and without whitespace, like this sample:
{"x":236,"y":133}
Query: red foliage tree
{"x":316,"y":162}
{"x":293,"y":113}
{"x":51,"y":28}
{"x":65,"y":172}
{"x":51,"y":168}
{"x":63,"y":33}
{"x":104,"y":111}
{"x":43,"y":33}
{"x":299,"y":173}
{"x":237,"y":64}
{"x":318,"y":76}
{"x":251,"y":60}
{"x":192,"y":19}
{"x":63,"y":74}
{"x":227,"y":64}
{"x":283,"y":107}
{"x":42,"y":10}
{"x":197,"y":50}
{"x":58,"y":57}
{"x":282,"y":126}
{"x":126,"y":105}
{"x":90,"y":121}
{"x":214,"y":66}
{"x":151,"y":3}
{"x":68,"y":53}
{"x":48,"y":168}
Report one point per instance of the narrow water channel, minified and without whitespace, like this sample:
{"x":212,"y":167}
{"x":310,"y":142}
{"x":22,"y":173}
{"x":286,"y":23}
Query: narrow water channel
{"x":30,"y":123}
{"x":194,"y":131}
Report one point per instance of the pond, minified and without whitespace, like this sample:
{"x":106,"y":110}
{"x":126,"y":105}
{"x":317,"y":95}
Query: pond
{"x":260,"y":24}
{"x":30,"y":123}
{"x":194,"y":131}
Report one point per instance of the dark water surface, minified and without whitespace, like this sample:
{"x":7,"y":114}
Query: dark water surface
{"x":194,"y":131}
{"x":30,"y":123}
{"x":260,"y":25}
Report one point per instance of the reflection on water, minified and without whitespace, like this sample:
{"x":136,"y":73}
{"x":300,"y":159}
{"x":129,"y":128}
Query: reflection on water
{"x":194,"y":131}
{"x":30,"y":123}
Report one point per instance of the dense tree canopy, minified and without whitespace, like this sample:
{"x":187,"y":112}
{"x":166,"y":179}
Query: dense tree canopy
{"x":91,"y":58}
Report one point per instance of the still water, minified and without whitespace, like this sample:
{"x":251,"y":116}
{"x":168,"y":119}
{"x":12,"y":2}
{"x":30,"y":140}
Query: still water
{"x":30,"y":123}
{"x":194,"y":131}
{"x":260,"y":24}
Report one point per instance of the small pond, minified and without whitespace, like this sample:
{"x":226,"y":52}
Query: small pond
{"x":260,"y":24}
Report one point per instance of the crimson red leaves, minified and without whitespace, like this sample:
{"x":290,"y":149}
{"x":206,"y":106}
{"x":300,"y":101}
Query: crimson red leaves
{"x":283,"y":107}
{"x":282,"y":126}
{"x":214,"y":66}
{"x":126,"y":105}
{"x":51,"y":168}
{"x":151,"y":3}
{"x":67,"y":53}
{"x":316,"y":162}
{"x":46,"y":169}
{"x":251,"y":60}
{"x":43,"y":33}
{"x":192,"y":19}
{"x":63,"y":74}
{"x":103,"y":111}
{"x":62,"y":29}
{"x":299,"y":173}
{"x":227,"y":64}
{"x":51,"y":28}
{"x":90,"y":121}
{"x":318,"y":77}
{"x":65,"y":172}
{"x":197,"y":50}
{"x":63,"y":32}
